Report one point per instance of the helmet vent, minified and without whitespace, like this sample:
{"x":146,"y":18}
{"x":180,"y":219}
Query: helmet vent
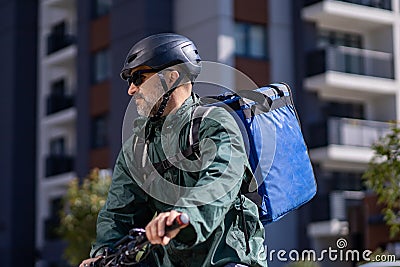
{"x":132,"y":58}
{"x":198,"y":57}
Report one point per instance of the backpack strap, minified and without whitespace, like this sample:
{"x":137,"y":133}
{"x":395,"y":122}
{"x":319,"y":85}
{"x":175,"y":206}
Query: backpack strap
{"x":198,"y":113}
{"x":244,"y":225}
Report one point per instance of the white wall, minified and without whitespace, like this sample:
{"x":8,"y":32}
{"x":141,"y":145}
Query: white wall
{"x":280,"y":41}
{"x":210,"y":25}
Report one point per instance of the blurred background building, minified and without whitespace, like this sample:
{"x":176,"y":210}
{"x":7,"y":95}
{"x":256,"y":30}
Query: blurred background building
{"x":64,"y":102}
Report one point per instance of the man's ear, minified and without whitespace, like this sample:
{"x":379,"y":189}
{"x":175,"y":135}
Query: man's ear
{"x":173,"y":76}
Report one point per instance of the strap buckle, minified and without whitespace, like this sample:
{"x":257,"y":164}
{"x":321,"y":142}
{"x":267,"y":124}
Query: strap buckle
{"x":166,"y":164}
{"x":196,"y":150}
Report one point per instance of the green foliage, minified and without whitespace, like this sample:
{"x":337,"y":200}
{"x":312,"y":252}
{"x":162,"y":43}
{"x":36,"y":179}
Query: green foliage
{"x":82,"y":203}
{"x":383,"y":177}
{"x":376,"y":253}
{"x":303,"y":263}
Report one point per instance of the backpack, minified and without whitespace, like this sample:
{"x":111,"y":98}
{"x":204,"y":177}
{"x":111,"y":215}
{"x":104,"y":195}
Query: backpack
{"x":274,"y":144}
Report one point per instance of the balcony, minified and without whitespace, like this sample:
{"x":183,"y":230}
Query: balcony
{"x":358,"y":16}
{"x":342,"y":143}
{"x":57,"y":42}
{"x":351,"y":60}
{"x":64,"y":56}
{"x":382,"y":4}
{"x":66,"y":4}
{"x":350,"y":73}
{"x":58,"y":164}
{"x":57,"y":103}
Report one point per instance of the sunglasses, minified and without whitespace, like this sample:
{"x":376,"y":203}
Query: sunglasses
{"x":137,"y":78}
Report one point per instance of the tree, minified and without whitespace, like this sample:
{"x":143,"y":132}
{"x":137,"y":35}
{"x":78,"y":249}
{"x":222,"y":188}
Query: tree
{"x":303,"y":263}
{"x":383,"y":177}
{"x":82,"y":203}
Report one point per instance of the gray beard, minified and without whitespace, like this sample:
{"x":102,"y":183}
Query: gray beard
{"x":150,"y":103}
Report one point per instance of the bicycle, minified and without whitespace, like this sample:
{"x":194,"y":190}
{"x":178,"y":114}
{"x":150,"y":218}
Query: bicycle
{"x":133,"y":248}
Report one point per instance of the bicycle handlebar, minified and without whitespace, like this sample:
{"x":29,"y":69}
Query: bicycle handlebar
{"x":179,"y":221}
{"x":126,"y":249}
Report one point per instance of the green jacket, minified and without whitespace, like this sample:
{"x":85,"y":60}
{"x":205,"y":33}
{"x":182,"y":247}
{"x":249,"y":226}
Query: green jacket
{"x":205,"y":188}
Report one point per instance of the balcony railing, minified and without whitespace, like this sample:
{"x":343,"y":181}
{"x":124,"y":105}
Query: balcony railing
{"x":57,"y":103}
{"x":350,"y":60}
{"x":58,"y":164}
{"x":57,"y":42}
{"x":382,"y":4}
{"x":348,"y":132}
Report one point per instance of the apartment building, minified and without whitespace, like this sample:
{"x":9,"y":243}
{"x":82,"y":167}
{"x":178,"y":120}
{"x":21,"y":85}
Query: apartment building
{"x":339,"y":56}
{"x":350,"y":70}
{"x":82,"y":100}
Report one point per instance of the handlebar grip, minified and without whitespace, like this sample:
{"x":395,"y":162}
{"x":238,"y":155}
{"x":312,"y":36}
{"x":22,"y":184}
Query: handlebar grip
{"x":179,"y":221}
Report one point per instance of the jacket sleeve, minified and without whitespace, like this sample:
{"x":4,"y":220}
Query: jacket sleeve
{"x":124,"y":209}
{"x":223,"y":165}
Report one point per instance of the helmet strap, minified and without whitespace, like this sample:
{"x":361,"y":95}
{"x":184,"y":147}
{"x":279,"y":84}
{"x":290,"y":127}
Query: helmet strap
{"x":167,"y":94}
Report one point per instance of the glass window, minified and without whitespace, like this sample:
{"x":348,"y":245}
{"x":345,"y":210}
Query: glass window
{"x":250,"y":40}
{"x":101,"y":66}
{"x":323,"y":39}
{"x":257,"y":41}
{"x":53,"y":221}
{"x":57,"y":147}
{"x":59,"y":29}
{"x":240,"y":38}
{"x":101,"y":7}
{"x":347,"y":181}
{"x":99,"y":131}
{"x":336,"y":38}
{"x":58,"y":87}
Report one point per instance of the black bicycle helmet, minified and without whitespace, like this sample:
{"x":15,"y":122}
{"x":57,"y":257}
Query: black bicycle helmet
{"x":161,"y":51}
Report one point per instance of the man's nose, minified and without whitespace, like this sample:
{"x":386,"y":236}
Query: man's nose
{"x":132,"y":89}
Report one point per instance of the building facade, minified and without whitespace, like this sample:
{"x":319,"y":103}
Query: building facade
{"x":349,"y":69}
{"x":339,"y":57}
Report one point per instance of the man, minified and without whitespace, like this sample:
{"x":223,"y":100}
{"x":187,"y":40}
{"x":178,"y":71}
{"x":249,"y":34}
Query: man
{"x":224,"y":228}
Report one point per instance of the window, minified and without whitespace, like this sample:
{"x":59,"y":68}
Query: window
{"x":57,"y":147}
{"x":251,"y":40}
{"x":336,"y":38}
{"x":99,"y":131}
{"x":53,"y":222}
{"x":347,"y":181}
{"x":58,"y":87}
{"x":58,"y":99}
{"x":101,"y":7}
{"x":349,"y":61}
{"x":59,"y":38}
{"x":101,"y":66}
{"x":59,"y":29}
{"x":347,"y":110}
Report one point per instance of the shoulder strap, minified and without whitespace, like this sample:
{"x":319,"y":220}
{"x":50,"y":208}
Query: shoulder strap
{"x":198,"y":114}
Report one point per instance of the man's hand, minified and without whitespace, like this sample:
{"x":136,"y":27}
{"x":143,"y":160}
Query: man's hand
{"x":155,"y":230}
{"x":87,"y":262}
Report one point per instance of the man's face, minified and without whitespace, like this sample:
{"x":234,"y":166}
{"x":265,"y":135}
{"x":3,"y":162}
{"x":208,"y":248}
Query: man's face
{"x":148,"y":94}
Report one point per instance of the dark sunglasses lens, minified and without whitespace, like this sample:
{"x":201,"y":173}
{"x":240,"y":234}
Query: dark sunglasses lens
{"x":136,"y":79}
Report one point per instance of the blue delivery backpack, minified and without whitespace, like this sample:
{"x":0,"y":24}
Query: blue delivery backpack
{"x":275,"y":145}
